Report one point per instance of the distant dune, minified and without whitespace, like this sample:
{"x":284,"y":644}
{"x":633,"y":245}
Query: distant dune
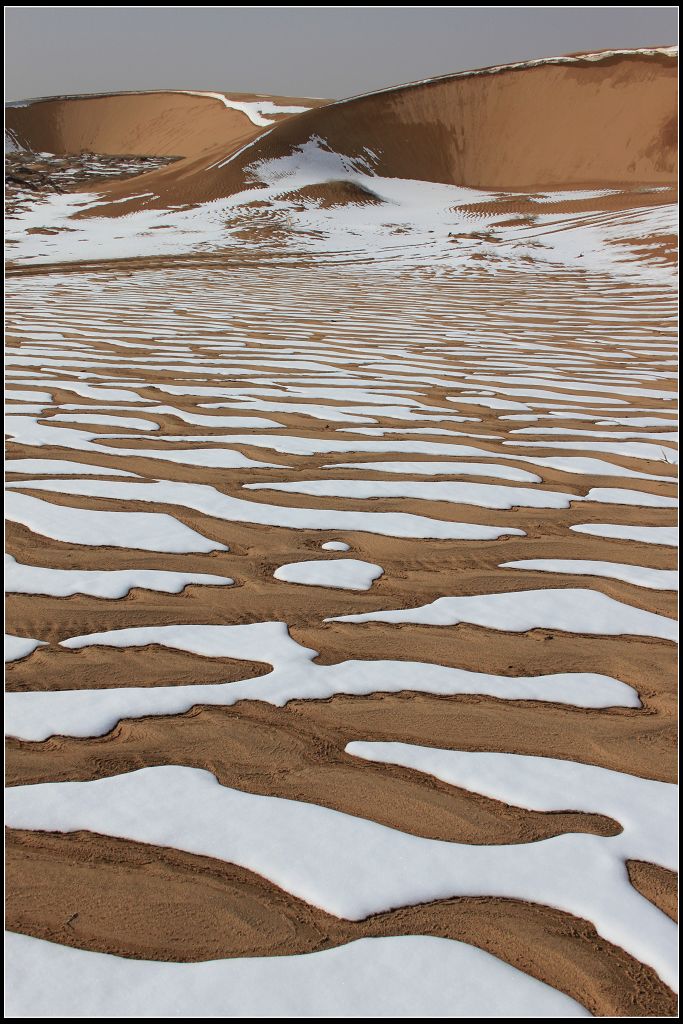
{"x":584,"y":121}
{"x":164,"y":123}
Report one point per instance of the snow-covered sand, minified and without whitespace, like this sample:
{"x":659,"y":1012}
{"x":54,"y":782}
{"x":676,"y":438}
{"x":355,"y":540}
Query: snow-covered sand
{"x":284,"y":614}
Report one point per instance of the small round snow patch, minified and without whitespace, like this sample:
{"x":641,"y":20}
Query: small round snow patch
{"x":335,"y":545}
{"x":342,"y":573}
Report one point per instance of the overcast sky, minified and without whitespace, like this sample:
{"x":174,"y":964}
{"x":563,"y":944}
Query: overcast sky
{"x":297,"y":51}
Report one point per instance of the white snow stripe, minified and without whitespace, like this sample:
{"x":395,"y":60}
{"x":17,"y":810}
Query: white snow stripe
{"x":638,"y":575}
{"x":295,"y":676}
{"x":403,"y":976}
{"x":570,"y":610}
{"x":665,"y":535}
{"x":17,"y":647}
{"x":111,"y":584}
{"x":145,"y":531}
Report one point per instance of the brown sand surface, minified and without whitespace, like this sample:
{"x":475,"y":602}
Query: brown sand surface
{"x":657,"y":884}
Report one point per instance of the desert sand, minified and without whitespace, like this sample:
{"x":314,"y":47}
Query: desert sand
{"x":430,"y":330}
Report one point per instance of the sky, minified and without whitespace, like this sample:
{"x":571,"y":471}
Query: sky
{"x":328,"y":52}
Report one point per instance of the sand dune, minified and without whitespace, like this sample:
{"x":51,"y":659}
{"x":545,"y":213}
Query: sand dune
{"x":163,"y":123}
{"x":517,"y":128}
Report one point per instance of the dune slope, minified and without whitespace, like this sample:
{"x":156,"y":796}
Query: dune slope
{"x":164,"y":123}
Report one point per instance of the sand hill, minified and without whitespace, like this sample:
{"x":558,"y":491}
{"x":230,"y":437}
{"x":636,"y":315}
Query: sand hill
{"x":604,"y":119}
{"x":164,"y":123}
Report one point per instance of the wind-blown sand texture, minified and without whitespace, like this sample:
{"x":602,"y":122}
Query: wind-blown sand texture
{"x":341,"y":589}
